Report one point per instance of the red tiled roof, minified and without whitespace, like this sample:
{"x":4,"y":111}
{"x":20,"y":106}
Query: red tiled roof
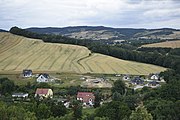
{"x":42,"y":91}
{"x":86,"y":96}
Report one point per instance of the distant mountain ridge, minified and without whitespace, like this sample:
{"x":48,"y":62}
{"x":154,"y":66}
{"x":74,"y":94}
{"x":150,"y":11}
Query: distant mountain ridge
{"x":108,"y":33}
{"x":1,"y":30}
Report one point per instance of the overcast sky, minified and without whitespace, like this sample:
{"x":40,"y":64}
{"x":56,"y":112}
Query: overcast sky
{"x":112,"y":13}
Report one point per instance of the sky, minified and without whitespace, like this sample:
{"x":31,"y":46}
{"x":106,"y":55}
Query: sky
{"x":110,"y":13}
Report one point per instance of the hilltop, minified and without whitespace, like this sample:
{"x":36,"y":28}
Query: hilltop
{"x":108,"y":33}
{"x":18,"y":53}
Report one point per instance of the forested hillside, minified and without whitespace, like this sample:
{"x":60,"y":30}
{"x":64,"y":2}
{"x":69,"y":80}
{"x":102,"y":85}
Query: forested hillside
{"x":108,"y":33}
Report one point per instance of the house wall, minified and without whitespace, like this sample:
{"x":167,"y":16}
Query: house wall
{"x":41,"y":78}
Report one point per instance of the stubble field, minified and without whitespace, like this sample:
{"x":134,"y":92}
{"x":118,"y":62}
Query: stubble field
{"x":168,"y":44}
{"x":18,"y":53}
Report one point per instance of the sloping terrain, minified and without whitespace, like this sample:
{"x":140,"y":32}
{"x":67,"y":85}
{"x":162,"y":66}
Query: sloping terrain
{"x":108,"y":33}
{"x":1,"y":30}
{"x":167,"y":44}
{"x":18,"y":53}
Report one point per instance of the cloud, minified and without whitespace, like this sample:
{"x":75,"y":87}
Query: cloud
{"x":115,"y":13}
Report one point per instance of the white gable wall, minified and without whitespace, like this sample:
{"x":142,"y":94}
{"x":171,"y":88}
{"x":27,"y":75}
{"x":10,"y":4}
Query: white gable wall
{"x":41,"y":78}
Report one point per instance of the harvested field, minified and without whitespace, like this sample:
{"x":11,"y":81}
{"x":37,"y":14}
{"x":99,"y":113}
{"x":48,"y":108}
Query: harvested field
{"x":168,"y":44}
{"x":18,"y":53}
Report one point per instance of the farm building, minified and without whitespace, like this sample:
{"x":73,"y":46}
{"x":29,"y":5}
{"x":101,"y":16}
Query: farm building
{"x":43,"y":77}
{"x":44,"y":93}
{"x":86,"y":97}
{"x":20,"y":95}
{"x":27,"y":73}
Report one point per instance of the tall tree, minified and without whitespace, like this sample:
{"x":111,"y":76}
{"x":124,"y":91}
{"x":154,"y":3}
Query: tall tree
{"x":114,"y":110}
{"x":119,"y":87}
{"x":97,"y":99}
{"x":140,"y":113}
{"x":77,"y":110}
{"x":43,"y":111}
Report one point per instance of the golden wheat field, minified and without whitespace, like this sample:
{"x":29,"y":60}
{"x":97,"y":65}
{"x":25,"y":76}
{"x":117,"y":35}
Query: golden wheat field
{"x":18,"y":53}
{"x":167,"y":44}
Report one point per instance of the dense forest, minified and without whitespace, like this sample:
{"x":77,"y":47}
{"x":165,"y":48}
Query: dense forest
{"x":162,"y":103}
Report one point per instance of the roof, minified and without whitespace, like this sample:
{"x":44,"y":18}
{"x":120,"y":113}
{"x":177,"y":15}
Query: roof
{"x":137,"y":80}
{"x":154,"y":74}
{"x":44,"y":74}
{"x":153,"y":82}
{"x":27,"y":71}
{"x":20,"y":95}
{"x":42,"y":90}
{"x":86,"y":96}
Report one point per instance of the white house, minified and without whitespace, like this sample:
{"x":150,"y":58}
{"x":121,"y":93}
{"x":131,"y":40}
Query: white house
{"x":43,"y":78}
{"x":126,"y":77}
{"x":154,"y":77}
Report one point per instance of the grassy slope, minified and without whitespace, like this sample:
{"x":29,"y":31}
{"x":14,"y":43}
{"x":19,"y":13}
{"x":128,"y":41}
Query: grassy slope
{"x":168,"y":44}
{"x":18,"y":53}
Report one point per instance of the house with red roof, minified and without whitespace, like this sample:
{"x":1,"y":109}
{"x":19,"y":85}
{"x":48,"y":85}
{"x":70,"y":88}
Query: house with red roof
{"x":86,"y":97}
{"x":44,"y":93}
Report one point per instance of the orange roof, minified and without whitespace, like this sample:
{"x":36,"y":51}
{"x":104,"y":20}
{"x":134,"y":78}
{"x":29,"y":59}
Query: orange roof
{"x":42,"y":90}
{"x":86,"y":96}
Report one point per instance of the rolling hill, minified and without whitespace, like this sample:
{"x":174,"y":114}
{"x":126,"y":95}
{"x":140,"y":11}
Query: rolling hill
{"x":108,"y":33}
{"x":167,"y":44}
{"x":1,"y":30}
{"x":18,"y":53}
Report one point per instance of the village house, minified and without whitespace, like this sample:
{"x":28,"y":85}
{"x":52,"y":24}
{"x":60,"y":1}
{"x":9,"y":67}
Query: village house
{"x":43,"y":77}
{"x":44,"y":93}
{"x":20,"y":95}
{"x":126,"y":77}
{"x":27,"y":73}
{"x":154,"y":77}
{"x":86,"y":97}
{"x":137,"y":81}
{"x":153,"y":84}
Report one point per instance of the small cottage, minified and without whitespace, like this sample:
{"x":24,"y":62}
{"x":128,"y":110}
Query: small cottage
{"x":126,"y":77}
{"x":153,"y":84}
{"x":44,"y":93}
{"x":43,"y":77}
{"x":154,"y":76}
{"x":86,"y":97}
{"x":27,"y":73}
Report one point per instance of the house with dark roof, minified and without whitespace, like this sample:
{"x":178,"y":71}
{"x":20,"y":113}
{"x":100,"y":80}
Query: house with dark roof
{"x":27,"y":73}
{"x":86,"y":97}
{"x":43,"y":77}
{"x":137,"y":81}
{"x":44,"y":93}
{"x":153,"y":84}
